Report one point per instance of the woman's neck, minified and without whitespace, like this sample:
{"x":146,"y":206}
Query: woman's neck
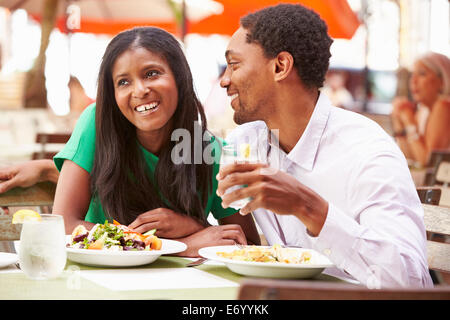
{"x":429,"y":103}
{"x":153,"y":141}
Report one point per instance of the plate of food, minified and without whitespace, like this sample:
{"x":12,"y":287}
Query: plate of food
{"x":7,"y":259}
{"x":115,"y":245}
{"x":269,"y":261}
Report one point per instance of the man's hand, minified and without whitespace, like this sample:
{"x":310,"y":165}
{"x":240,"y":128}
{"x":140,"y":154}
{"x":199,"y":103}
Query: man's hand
{"x":274,"y":190}
{"x":168,"y":223}
{"x":228,"y":234}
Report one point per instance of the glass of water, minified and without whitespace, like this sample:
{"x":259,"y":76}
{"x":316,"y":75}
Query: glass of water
{"x":42,"y":253}
{"x":232,"y":153}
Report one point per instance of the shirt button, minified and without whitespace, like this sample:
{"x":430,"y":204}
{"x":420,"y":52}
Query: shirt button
{"x":327,"y":252}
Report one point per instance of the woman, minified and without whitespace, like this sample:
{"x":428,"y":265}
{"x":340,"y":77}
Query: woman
{"x":421,"y":130}
{"x":118,"y":161}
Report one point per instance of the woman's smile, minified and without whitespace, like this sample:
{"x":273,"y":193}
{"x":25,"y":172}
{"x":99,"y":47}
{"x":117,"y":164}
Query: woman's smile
{"x":147,"y":108}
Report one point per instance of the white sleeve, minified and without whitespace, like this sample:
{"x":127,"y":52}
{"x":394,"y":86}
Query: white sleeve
{"x":385,"y":245}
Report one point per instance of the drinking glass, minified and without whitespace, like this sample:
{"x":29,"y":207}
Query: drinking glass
{"x":232,"y":153}
{"x":42,"y":253}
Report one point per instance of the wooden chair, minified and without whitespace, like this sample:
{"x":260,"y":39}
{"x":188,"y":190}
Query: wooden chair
{"x":437,"y":221}
{"x":270,"y":289}
{"x":436,"y":158}
{"x":429,"y":195}
{"x":40,"y":195}
{"x":46,"y":138}
{"x":443,"y":177}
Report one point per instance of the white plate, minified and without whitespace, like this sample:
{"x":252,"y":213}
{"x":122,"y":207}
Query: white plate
{"x":107,"y":258}
{"x":270,"y":269}
{"x":8,"y":258}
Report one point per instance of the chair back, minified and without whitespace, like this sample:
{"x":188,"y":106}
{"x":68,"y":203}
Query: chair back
{"x":443,"y":173}
{"x":436,"y":158}
{"x":49,"y":138}
{"x":271,"y":289}
{"x":429,"y":195}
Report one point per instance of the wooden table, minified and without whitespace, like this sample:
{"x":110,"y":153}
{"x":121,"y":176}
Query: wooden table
{"x":40,"y":194}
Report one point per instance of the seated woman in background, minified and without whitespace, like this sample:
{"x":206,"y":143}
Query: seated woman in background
{"x":423,"y":125}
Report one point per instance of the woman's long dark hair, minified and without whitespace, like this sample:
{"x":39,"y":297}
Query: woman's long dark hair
{"x":120,"y":177}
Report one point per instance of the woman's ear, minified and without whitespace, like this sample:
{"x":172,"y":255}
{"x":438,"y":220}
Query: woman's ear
{"x":284,"y":63}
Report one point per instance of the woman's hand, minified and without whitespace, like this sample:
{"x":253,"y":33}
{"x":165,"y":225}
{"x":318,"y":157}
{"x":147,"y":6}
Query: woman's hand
{"x":407,"y":115}
{"x":228,"y":234}
{"x":168,"y":223}
{"x":401,"y":109}
{"x":27,"y":174}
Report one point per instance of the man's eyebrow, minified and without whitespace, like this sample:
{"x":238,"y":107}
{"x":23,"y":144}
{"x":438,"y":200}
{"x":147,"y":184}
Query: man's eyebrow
{"x":230,"y":52}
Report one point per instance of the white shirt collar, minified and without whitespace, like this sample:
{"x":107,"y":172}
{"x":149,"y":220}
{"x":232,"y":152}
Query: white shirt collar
{"x":304,"y":152}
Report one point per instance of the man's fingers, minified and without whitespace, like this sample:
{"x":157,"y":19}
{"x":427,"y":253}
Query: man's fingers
{"x":238,"y":167}
{"x":242,"y":193}
{"x":249,"y":207}
{"x":234,"y":179}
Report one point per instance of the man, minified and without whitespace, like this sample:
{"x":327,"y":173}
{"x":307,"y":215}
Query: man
{"x":338,"y":182}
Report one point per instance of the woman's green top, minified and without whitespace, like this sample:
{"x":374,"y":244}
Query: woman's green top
{"x":81,"y":149}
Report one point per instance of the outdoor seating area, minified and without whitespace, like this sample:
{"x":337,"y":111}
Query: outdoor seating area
{"x":225,"y":153}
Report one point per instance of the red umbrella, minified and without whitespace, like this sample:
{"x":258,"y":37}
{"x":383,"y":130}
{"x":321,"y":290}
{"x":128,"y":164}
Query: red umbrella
{"x":341,"y":20}
{"x":113,"y":16}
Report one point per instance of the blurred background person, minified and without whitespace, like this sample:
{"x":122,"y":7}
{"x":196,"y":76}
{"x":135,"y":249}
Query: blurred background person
{"x":334,"y":88}
{"x":79,"y":100}
{"x":422,"y":125}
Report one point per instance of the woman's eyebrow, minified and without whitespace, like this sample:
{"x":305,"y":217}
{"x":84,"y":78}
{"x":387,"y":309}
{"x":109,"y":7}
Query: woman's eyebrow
{"x":120,"y":75}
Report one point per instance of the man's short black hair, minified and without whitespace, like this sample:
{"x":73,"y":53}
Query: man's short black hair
{"x":297,"y":30}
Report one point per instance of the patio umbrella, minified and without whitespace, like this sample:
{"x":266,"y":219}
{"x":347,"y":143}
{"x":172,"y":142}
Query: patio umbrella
{"x":113,"y":16}
{"x":202,"y":16}
{"x":341,"y":20}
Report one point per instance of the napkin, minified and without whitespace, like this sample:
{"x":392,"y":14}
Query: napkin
{"x":155,"y":278}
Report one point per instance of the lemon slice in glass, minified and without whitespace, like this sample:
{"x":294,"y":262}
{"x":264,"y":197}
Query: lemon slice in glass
{"x":245,"y":150}
{"x":25,"y":215}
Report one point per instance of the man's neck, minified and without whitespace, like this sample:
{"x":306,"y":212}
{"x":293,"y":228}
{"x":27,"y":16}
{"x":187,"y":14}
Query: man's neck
{"x":294,"y":110}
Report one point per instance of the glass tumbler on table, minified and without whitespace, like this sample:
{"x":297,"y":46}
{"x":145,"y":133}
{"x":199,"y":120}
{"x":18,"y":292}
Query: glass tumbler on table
{"x":42,"y":253}
{"x":232,"y":153}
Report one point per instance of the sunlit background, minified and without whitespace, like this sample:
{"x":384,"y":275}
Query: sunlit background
{"x":80,"y":54}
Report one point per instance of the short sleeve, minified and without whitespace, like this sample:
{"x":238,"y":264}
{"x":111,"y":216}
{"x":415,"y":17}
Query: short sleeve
{"x":81,"y":146}
{"x":81,"y":149}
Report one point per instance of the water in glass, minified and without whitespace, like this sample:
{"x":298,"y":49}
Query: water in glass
{"x":42,"y":252}
{"x":232,"y":153}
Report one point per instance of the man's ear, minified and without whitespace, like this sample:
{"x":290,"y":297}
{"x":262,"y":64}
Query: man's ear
{"x":283,"y":64}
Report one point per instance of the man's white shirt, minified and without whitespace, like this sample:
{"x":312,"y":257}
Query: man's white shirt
{"x":374,"y":230}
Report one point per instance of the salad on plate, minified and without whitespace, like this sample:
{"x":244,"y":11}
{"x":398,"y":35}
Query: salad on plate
{"x":113,"y":237}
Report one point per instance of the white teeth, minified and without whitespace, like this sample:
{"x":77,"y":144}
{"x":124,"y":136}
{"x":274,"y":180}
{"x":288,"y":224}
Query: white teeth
{"x":145,"y":107}
{"x":234,"y":96}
